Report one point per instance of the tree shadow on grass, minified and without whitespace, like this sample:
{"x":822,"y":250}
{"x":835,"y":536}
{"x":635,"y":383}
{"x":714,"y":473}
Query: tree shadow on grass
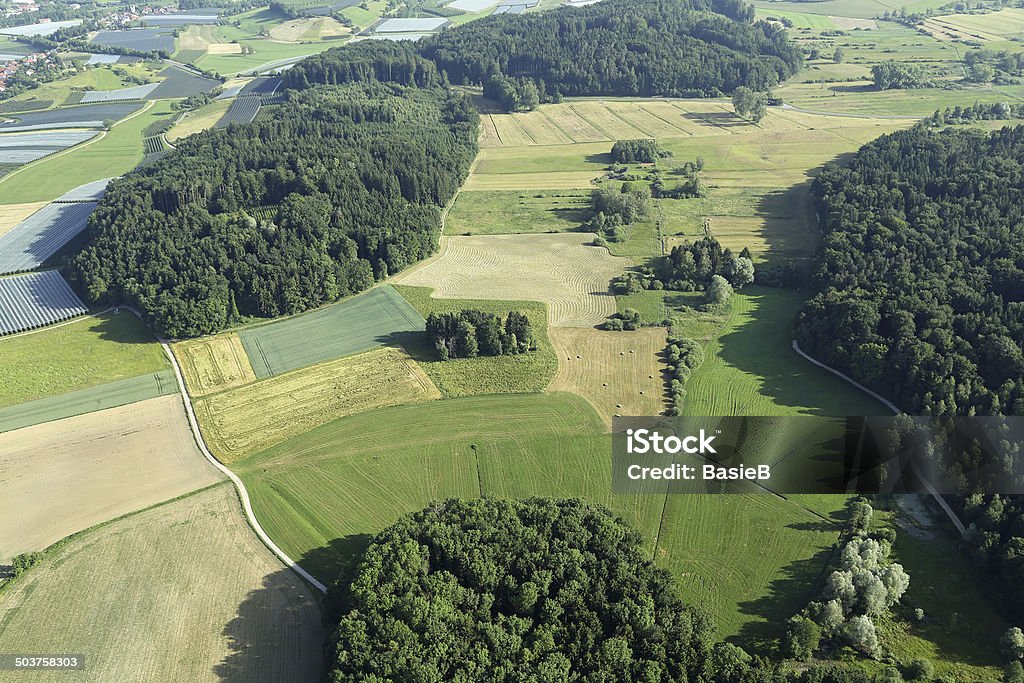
{"x":797,"y":584}
{"x":282,"y":629}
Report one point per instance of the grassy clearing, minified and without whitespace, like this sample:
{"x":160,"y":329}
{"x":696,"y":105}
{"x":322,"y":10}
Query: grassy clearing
{"x":82,"y":354}
{"x":363,"y":322}
{"x":251,"y":418}
{"x":214,"y":364}
{"x":618,"y":373}
{"x":751,"y":369}
{"x":113,"y":154}
{"x":320,"y":495}
{"x":100,"y":397}
{"x":183,"y":591}
{"x":800,"y":19}
{"x":751,"y":560}
{"x":201,"y":119}
{"x":650,"y":304}
{"x":562,"y":270}
{"x":841,"y":8}
{"x":62,"y":477}
{"x":1004,"y":24}
{"x":502,"y":213}
{"x":528,"y":372}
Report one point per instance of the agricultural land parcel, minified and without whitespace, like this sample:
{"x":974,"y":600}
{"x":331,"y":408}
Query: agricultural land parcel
{"x":182,"y":591}
{"x":62,"y":477}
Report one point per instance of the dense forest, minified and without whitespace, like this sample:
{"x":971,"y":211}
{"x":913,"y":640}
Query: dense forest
{"x":337,"y":186}
{"x":920,"y":280}
{"x":622,"y":47}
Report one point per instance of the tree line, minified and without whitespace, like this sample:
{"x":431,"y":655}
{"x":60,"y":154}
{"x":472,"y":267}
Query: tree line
{"x":347,"y":181}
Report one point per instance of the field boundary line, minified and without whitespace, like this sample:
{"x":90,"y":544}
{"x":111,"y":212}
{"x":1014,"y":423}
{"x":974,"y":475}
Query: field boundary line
{"x":243,"y":493}
{"x":596,"y":127}
{"x":953,"y":518}
{"x":554,"y":124}
{"x":666,"y":121}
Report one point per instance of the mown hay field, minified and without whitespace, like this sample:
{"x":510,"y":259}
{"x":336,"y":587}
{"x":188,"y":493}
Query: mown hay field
{"x":253,"y":417}
{"x":81,"y":354}
{"x":618,"y":373}
{"x":564,"y":271}
{"x":1002,"y":25}
{"x":499,"y":212}
{"x":179,"y":592}
{"x":214,"y":364}
{"x":521,"y":373}
{"x":201,"y":119}
{"x":65,"y":476}
{"x":360,"y":323}
{"x":12,"y":214}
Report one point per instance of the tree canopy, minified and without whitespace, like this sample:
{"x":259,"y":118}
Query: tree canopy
{"x":539,"y":590}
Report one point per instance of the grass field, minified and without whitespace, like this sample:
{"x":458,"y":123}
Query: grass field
{"x":649,"y":303}
{"x":525,"y":372}
{"x":201,"y":119}
{"x":62,"y":477}
{"x":363,"y":322}
{"x":321,"y":494}
{"x":251,"y":418}
{"x":97,"y":78}
{"x":1002,"y":25}
{"x":115,"y":153}
{"x":309,"y":29}
{"x":618,"y":373}
{"x":562,"y":270}
{"x":214,"y":364}
{"x":78,"y":355}
{"x":81,"y":401}
{"x":751,"y":369}
{"x":183,"y":591}
{"x":503,"y":213}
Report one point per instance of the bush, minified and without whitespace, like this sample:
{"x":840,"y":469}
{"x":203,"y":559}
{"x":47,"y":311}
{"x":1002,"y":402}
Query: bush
{"x":920,"y":670}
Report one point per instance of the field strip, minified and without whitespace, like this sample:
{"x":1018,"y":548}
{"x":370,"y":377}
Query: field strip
{"x":75,"y":148}
{"x":671,"y":123}
{"x":555,"y":125}
{"x":89,"y":400}
{"x":243,"y":494}
{"x":592,"y":123}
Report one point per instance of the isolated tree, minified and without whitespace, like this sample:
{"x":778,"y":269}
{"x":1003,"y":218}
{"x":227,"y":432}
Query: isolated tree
{"x":759,"y":107}
{"x":839,"y":55}
{"x":516,"y":590}
{"x":718,"y":292}
{"x":742,"y":100}
{"x":1012,"y":643}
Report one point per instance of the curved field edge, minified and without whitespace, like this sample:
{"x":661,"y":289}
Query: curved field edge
{"x":179,"y":591}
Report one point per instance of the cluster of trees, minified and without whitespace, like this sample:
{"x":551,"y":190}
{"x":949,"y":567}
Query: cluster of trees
{"x":920,"y":278}
{"x":750,"y":104}
{"x":958,"y":115}
{"x":893,"y":75}
{"x":514,"y":94}
{"x":628,"y":319}
{"x":691,"y":185}
{"x":693,"y":265}
{"x":996,"y":539}
{"x":999,"y":66}
{"x":365,"y":62}
{"x":615,"y":209}
{"x":684,"y":355}
{"x":643,"y":151}
{"x":866,"y":585}
{"x":353,"y":176}
{"x":470,"y":333}
{"x":508,"y":591}
{"x":622,"y":47}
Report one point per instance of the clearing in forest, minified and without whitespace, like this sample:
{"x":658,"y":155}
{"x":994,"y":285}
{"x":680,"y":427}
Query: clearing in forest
{"x":248,"y":419}
{"x":563,"y":270}
{"x":64,"y":476}
{"x":619,"y":373}
{"x":183,"y":591}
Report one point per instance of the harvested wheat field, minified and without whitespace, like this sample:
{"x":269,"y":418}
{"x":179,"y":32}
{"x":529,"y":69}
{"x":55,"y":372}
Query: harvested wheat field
{"x":245,"y":420}
{"x":183,"y":591}
{"x":12,"y":214}
{"x":619,"y":373}
{"x":64,"y":476}
{"x":224,"y":49}
{"x":561,"y":270}
{"x":214,"y":364}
